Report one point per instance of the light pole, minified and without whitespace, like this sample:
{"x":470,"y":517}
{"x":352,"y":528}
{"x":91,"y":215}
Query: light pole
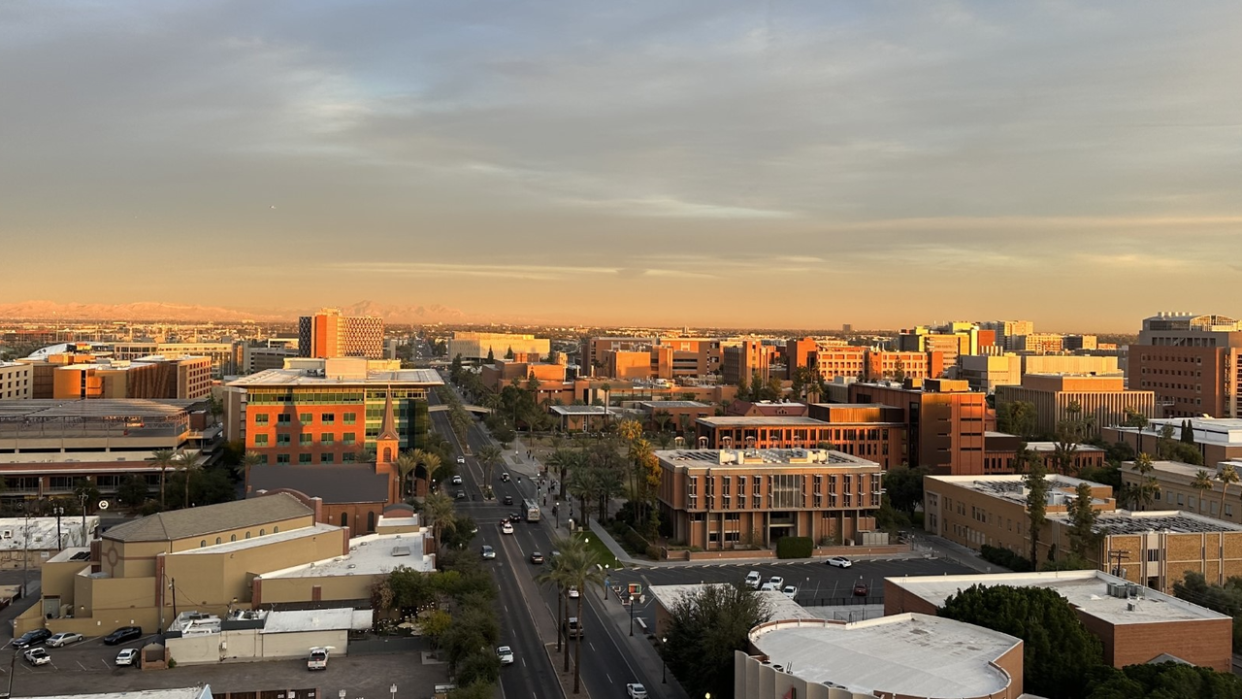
{"x":393,"y":690}
{"x":631,"y":613}
{"x":604,"y":594}
{"x":663,"y":661}
{"x":556,"y":507}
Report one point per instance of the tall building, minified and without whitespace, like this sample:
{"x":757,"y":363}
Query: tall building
{"x":748,"y":359}
{"x":944,"y":421}
{"x":951,"y":340}
{"x":1192,"y":362}
{"x":329,"y":334}
{"x":152,"y":377}
{"x":1103,"y":399}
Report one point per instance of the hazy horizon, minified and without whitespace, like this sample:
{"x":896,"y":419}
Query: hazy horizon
{"x":786,"y":164}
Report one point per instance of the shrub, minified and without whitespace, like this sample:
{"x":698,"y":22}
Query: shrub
{"x":1006,"y":558}
{"x":794,"y":547}
{"x":634,"y":541}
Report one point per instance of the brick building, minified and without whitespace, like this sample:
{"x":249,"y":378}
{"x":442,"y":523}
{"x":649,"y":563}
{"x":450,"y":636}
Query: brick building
{"x":1136,"y":624}
{"x":720,"y":499}
{"x":1193,"y":364}
{"x":1177,"y":490}
{"x":944,"y":421}
{"x":746,"y":361}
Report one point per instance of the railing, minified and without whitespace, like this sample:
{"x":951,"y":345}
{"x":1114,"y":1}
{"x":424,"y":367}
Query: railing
{"x":837,"y":601}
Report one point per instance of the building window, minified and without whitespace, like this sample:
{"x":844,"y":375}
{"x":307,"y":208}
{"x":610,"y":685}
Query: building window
{"x":306,"y":418}
{"x":260,"y":440}
{"x":326,"y":458}
{"x":202,"y":544}
{"x":350,"y":418}
{"x":304,"y":458}
{"x":262,"y":532}
{"x":348,"y":457}
{"x":304,"y":439}
{"x":327,"y":438}
{"x":344,"y":519}
{"x":247,"y":535}
{"x":328,"y":418}
{"x":276,"y":530}
{"x":283,"y":419}
{"x":261,"y":419}
{"x":282,"y":440}
{"x":349,"y":437}
{"x":233,"y":538}
{"x":1153,"y":555}
{"x":218,"y":541}
{"x":282,"y":458}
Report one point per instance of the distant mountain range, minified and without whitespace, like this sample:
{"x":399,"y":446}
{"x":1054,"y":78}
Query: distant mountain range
{"x":151,"y":311}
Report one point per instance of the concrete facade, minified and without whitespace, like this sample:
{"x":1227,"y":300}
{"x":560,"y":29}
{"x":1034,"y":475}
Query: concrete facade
{"x":16,"y":381}
{"x":1103,"y":399}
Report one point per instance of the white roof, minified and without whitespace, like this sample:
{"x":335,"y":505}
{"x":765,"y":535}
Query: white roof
{"x":585,"y":410}
{"x":1085,"y":589}
{"x":905,"y":654}
{"x":199,"y":692}
{"x":1207,"y":430}
{"x":368,"y":555}
{"x":309,"y":620}
{"x":43,"y":533}
{"x":297,"y":377}
{"x":779,"y":606}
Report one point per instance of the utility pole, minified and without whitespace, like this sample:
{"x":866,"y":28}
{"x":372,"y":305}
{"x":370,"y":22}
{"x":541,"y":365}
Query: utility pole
{"x":174,"y":595}
{"x":1114,"y":559}
{"x":26,"y":550}
{"x":85,"y":541}
{"x":60,"y":539}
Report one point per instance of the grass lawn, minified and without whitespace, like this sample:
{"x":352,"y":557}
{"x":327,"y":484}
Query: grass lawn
{"x":594,"y":544}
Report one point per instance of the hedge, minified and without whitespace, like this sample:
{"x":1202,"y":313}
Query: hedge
{"x":1006,"y":558}
{"x":794,"y":547}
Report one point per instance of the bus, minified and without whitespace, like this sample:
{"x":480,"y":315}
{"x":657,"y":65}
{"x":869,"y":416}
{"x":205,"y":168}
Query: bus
{"x":532,"y":510}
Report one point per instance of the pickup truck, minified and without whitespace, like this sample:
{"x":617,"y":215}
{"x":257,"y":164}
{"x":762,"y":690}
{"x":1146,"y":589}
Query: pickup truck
{"x":318,"y":659}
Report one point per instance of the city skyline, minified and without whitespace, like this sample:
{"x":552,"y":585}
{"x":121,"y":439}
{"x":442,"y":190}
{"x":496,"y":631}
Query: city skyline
{"x":567,"y":163}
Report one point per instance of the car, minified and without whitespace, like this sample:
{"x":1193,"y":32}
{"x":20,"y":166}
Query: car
{"x":318,"y":659}
{"x":488,"y":552}
{"x":123,"y":634}
{"x":37,"y":656}
{"x":573,"y":629}
{"x":860,"y":589}
{"x":459,"y":495}
{"x":790,"y":591}
{"x":635,"y":690}
{"x":505,"y":653}
{"x":32,"y":638}
{"x":754,"y":580}
{"x":536,"y":557}
{"x":504,"y":477}
{"x":777,"y":581}
{"x":840,"y":562}
{"x":456,"y":480}
{"x":64,"y":638}
{"x":515,"y":517}
{"x":506,"y":527}
{"x":769,"y":587}
{"x":126,"y":657}
{"x":573,"y":592}
{"x":461,"y":459}
{"x":508,"y":499}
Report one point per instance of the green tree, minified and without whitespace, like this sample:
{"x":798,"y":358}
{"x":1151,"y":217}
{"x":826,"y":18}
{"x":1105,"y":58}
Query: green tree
{"x":557,"y":575}
{"x":1036,"y":504}
{"x":1058,"y":651}
{"x":438,"y":508}
{"x":489,"y":456}
{"x":1017,"y":417}
{"x":582,"y":568}
{"x":491,"y":356}
{"x":163,"y":459}
{"x":187,"y":464}
{"x":133,"y":492}
{"x":1142,"y":494}
{"x":84,"y":490}
{"x":1188,"y":433}
{"x":904,"y":487}
{"x":249,"y":460}
{"x":1163,"y":681}
{"x":1203,"y":484}
{"x":705,"y":627}
{"x":1071,"y":431}
{"x":1083,"y":517}
{"x":1227,"y":475}
{"x":743,"y":389}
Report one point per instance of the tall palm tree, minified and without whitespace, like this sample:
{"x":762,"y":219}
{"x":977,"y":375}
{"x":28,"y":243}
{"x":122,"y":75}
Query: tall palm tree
{"x":583,"y":569}
{"x":1144,"y":492}
{"x":163,"y":459}
{"x":439,"y":509}
{"x":489,"y":456}
{"x":406,"y":462}
{"x":431,"y":463}
{"x":557,"y":576}
{"x":1203,"y":484}
{"x":249,"y":461}
{"x":1227,"y":475}
{"x":187,"y":463}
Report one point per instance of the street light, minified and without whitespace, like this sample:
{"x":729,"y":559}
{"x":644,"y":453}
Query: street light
{"x":604,"y":593}
{"x":393,"y":690}
{"x":556,"y":507}
{"x":631,"y":613}
{"x":663,"y":661}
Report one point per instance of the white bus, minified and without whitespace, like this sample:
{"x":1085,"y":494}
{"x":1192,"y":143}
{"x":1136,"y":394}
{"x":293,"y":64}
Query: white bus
{"x":532,"y":510}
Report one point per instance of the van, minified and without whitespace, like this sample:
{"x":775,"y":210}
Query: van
{"x":573,"y":628}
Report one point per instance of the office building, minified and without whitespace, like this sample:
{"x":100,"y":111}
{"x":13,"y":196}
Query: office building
{"x":726,"y":498}
{"x":853,"y":433}
{"x":1102,"y":400}
{"x":1135,"y":624}
{"x":256,"y":359}
{"x":1217,"y":439}
{"x":478,"y":345}
{"x":986,"y":372}
{"x":1004,"y":329}
{"x":749,"y":361}
{"x":1036,"y":343}
{"x":944,"y":421}
{"x":1176,"y":489}
{"x":16,"y":381}
{"x":1156,"y":548}
{"x":1193,"y":364}
{"x":151,"y":377}
{"x":951,"y":340}
{"x":328,"y":334}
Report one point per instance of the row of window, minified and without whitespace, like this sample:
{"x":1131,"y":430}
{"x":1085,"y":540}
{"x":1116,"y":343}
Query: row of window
{"x":306,"y":418}
{"x":233,"y":537}
{"x":348,"y":457}
{"x":284,"y":440}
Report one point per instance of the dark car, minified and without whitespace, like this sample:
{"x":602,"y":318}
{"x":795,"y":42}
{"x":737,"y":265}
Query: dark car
{"x":536,"y":557}
{"x":508,"y":499}
{"x":32,"y":638}
{"x":860,"y":589}
{"x":515,"y":517}
{"x":123,"y":634}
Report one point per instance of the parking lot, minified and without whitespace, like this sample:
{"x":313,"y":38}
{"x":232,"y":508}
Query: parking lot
{"x":87,"y":667}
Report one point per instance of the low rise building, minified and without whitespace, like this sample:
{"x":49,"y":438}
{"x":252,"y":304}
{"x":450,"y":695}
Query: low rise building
{"x":27,"y":542}
{"x":1136,"y":624}
{"x":244,"y":635}
{"x":678,"y":415}
{"x":585,"y":418}
{"x":1217,"y":439}
{"x":720,"y":499}
{"x":904,"y":655}
{"x":853,"y":433}
{"x":1176,"y":488}
{"x":1102,"y":399}
{"x":479,"y":345}
{"x":16,"y":381}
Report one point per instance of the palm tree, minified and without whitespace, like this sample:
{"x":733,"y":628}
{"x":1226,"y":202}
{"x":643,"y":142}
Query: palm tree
{"x":1144,"y":492}
{"x":489,"y":456}
{"x":1202,"y":483}
{"x":1227,"y":475}
{"x":582,"y":568}
{"x":187,"y":462}
{"x":431,"y":463}
{"x":406,"y":462}
{"x":439,"y":509}
{"x":163,"y":459}
{"x":249,"y":461}
{"x":556,"y":575}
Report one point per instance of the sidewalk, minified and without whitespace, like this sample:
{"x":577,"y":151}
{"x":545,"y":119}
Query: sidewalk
{"x":642,"y":650}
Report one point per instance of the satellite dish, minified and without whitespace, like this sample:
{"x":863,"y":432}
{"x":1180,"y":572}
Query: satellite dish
{"x":103,"y":504}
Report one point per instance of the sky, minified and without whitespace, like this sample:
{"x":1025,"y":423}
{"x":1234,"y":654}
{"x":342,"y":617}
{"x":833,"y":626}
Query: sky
{"x":741,"y":164}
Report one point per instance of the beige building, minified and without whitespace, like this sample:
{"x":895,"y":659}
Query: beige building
{"x":1135,"y":624}
{"x":1103,"y":399}
{"x":16,"y":381}
{"x":476,"y":345}
{"x":987,"y":372}
{"x":1177,"y":491}
{"x":1156,"y":548}
{"x":246,"y":635}
{"x":899,"y":656}
{"x":1217,"y":439}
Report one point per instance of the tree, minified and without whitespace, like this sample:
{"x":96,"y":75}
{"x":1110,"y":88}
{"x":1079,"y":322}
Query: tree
{"x":163,"y":459}
{"x":431,"y":463}
{"x":1083,"y":518}
{"x":904,"y":487}
{"x":1143,"y":493}
{"x":249,"y":461}
{"x":133,"y":492}
{"x":1227,"y":475}
{"x":1188,"y":433}
{"x":1071,"y":431}
{"x":1163,"y":681}
{"x":705,"y":627}
{"x":509,"y":353}
{"x":743,"y":389}
{"x":582,"y":568}
{"x":491,"y":356}
{"x":85,"y":491}
{"x":1058,"y":651}
{"x":1036,"y":504}
{"x":187,"y":463}
{"x":489,"y":456}
{"x":439,"y":509}
{"x":557,"y":575}
{"x":1017,"y":417}
{"x":1203,"y":484}
{"x":405,"y":462}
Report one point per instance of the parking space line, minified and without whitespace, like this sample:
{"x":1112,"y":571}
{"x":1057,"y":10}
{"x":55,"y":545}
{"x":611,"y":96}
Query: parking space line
{"x":105,"y":664}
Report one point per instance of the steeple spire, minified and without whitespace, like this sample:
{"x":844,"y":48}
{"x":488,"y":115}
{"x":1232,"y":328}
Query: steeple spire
{"x":388,"y":429}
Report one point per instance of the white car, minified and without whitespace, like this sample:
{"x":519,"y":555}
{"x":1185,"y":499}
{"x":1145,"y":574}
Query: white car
{"x":488,"y":552}
{"x":461,"y":459}
{"x":790,"y":591}
{"x":456,"y":480}
{"x":776,"y":581}
{"x":840,"y":562}
{"x":505,"y":653}
{"x":38,"y":656}
{"x":506,"y":528}
{"x":63,"y":638}
{"x":769,"y":587}
{"x":754,"y":580}
{"x":636,"y":690}
{"x":127,"y":657}
{"x":573,"y":593}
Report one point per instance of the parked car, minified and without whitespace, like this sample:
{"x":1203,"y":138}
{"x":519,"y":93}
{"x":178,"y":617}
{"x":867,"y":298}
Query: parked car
{"x":636,"y":690}
{"x":839,"y":562}
{"x":508,"y":499}
{"x":790,"y":591}
{"x":64,"y":638}
{"x":32,"y":638}
{"x":777,"y":581}
{"x":123,"y":634}
{"x":127,"y":657}
{"x":536,"y":557}
{"x":318,"y":659}
{"x":860,"y":589}
{"x":488,"y":552}
{"x":754,"y":580}
{"x":456,"y":480}
{"x":506,"y":527}
{"x":505,"y":653}
{"x":37,"y":656}
{"x":769,"y":587}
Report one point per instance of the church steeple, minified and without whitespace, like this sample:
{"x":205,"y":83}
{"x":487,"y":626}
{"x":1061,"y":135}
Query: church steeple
{"x":388,"y":443}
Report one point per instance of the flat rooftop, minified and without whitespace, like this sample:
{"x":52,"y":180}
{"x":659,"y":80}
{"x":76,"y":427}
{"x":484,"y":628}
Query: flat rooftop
{"x":199,"y":692}
{"x":755,"y":458}
{"x":1049,"y":447}
{"x":903,"y":654}
{"x":762,"y":421}
{"x":779,"y":606}
{"x":669,"y":404}
{"x":309,"y":620}
{"x":95,"y":408}
{"x":301,"y":377}
{"x":368,"y":555}
{"x":585,"y":410}
{"x":1013,"y":488}
{"x":1222,"y":431}
{"x":1167,"y":521}
{"x":1085,"y":589}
